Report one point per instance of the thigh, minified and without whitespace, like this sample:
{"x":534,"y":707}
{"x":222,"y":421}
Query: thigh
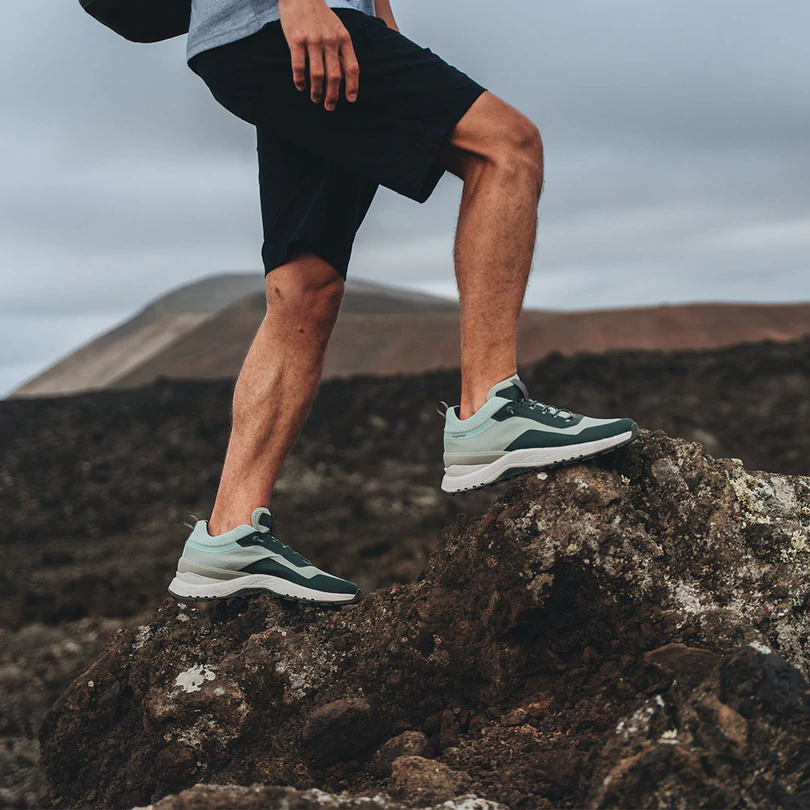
{"x":307,"y":204}
{"x":409,"y":102}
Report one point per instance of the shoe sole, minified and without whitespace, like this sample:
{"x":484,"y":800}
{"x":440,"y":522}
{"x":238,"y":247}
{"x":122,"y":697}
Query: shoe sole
{"x":470,"y":477}
{"x":189,"y":587}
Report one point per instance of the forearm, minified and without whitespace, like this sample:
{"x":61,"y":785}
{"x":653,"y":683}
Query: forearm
{"x":383,"y":8}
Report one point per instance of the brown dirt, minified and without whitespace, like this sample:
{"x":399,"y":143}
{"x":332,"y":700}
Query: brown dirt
{"x":98,"y":484}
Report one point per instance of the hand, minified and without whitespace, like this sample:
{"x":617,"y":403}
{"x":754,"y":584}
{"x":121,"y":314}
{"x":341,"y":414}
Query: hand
{"x":316,"y":35}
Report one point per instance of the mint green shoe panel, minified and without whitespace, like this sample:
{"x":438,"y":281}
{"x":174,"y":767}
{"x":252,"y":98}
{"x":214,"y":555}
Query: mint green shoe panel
{"x":480,"y":421}
{"x":490,"y":437}
{"x":199,"y":535}
{"x":230,"y":557}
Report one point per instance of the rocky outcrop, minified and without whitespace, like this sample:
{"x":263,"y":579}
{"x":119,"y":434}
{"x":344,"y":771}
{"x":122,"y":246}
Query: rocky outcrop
{"x":261,"y":797}
{"x":599,"y":635}
{"x":37,"y":663}
{"x":729,"y":733}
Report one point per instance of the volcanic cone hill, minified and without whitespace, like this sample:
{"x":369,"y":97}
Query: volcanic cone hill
{"x":203,"y":330}
{"x":629,"y":633}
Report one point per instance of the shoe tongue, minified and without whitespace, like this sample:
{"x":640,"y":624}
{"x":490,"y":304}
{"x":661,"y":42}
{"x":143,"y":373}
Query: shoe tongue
{"x":511,"y":388}
{"x":262,"y":520}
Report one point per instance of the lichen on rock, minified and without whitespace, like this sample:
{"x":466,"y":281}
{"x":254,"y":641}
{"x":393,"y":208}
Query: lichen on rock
{"x":262,"y":797}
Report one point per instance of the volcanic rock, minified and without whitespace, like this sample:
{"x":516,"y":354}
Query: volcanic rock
{"x":407,"y":744}
{"x":262,"y":797}
{"x":37,"y":663}
{"x":424,"y":781}
{"x":741,"y":738}
{"x":535,"y":652}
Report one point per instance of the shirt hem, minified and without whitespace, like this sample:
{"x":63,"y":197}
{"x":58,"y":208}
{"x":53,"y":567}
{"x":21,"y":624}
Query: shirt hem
{"x":227,"y":38}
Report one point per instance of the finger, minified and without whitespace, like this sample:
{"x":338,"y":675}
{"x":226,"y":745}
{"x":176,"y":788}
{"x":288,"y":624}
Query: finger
{"x":333,"y":76}
{"x":316,"y":73}
{"x":351,"y":69}
{"x":298,"y":53}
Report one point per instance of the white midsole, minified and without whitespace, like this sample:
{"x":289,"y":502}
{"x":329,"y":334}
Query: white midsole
{"x":196,"y":586}
{"x":459,"y":477}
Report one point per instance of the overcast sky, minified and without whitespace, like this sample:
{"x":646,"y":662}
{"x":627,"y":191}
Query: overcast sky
{"x":676,"y":136}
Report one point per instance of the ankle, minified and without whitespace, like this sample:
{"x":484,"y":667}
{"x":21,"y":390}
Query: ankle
{"x":220,"y":524}
{"x":469,"y":405}
{"x":238,"y":497}
{"x":474,"y":394}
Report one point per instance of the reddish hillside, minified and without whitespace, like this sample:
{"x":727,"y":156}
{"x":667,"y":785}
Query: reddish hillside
{"x":203,"y":330}
{"x":370,"y":342}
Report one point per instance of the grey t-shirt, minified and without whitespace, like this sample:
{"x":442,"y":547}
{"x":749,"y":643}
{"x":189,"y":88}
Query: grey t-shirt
{"x":218,"y":22}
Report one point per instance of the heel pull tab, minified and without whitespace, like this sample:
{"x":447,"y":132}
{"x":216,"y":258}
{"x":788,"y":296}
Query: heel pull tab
{"x":442,"y":408}
{"x":191,"y":525}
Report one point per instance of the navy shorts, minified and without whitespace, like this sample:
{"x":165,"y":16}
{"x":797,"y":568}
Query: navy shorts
{"x":319,"y":170}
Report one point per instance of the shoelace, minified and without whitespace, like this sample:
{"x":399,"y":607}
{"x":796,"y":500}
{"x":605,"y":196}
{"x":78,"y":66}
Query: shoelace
{"x":285,"y":546}
{"x":563,"y":413}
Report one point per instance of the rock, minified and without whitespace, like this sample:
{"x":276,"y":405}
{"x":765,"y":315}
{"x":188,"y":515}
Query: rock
{"x":516,"y":718}
{"x":262,"y":797}
{"x":407,"y":744}
{"x":419,"y":781}
{"x":37,"y":663}
{"x":580,"y":598}
{"x":738,"y":739}
{"x":341,"y":730}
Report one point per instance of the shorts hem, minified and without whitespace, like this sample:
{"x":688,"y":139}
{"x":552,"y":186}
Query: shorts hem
{"x":436,"y":140}
{"x":283,"y":255}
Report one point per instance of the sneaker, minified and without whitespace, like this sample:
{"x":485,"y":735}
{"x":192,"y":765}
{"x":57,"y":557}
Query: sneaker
{"x":511,"y":434}
{"x":248,"y":560}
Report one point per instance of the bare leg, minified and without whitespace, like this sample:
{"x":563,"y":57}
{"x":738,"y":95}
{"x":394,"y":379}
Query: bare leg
{"x":498,"y":154}
{"x":277,"y":384}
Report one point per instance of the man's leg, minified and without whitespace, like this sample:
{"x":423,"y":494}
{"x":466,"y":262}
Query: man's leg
{"x":498,"y":154}
{"x":277,"y":384}
{"x":236,"y":553}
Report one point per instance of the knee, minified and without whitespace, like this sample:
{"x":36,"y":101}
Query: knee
{"x":322,"y":298}
{"x":306,"y":298}
{"x":519,"y":150}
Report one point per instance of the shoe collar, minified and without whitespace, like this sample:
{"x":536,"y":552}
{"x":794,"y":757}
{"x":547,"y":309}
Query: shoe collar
{"x":511,"y":388}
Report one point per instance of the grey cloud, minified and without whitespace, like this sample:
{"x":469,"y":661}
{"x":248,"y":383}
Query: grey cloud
{"x":676,"y":136}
